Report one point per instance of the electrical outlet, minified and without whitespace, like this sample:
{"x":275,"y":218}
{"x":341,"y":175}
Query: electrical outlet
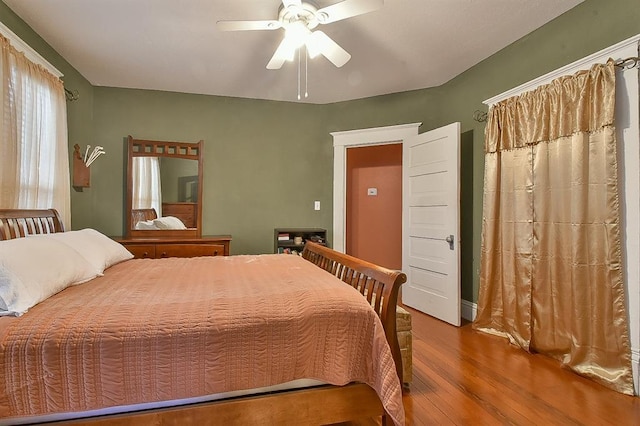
{"x":316,"y":205}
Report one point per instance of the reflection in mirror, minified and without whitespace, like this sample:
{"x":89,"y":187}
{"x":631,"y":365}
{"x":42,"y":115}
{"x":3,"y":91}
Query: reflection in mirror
{"x":167,"y":185}
{"x":147,"y":188}
{"x":164,"y":188}
{"x":179,"y":180}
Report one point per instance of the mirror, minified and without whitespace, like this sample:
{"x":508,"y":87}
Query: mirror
{"x":164,"y":182}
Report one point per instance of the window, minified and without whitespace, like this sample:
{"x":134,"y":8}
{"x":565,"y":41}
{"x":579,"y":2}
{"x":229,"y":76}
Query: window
{"x":34,"y":170}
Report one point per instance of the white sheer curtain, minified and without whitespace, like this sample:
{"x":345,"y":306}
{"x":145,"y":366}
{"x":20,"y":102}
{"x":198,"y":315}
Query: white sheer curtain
{"x":33,"y":136}
{"x":147,"y":192}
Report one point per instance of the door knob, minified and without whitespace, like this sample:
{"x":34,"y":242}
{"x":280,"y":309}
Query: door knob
{"x":450,"y":240}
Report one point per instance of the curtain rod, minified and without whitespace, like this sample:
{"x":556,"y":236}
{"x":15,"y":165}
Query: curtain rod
{"x":71,"y":96}
{"x":627,"y":63}
{"x":479,"y":116}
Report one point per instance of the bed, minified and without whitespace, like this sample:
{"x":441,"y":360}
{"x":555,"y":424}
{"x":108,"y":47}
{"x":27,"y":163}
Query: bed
{"x":94,"y":353}
{"x":142,"y":215}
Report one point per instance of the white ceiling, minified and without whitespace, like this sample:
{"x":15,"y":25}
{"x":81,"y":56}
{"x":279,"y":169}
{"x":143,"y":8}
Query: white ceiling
{"x":174,"y":45}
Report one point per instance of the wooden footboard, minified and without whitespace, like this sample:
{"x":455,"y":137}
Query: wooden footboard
{"x":379,"y":285}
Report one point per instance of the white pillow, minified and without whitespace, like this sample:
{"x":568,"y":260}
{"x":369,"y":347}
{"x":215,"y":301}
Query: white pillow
{"x":98,"y":249}
{"x":169,"y":222}
{"x":33,"y":269}
{"x":146,"y":225}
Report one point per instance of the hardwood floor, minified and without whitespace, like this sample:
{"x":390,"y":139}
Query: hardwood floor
{"x":463,"y":377}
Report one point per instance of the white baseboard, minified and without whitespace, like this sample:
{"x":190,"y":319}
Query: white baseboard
{"x":468,"y":310}
{"x":635,"y":365}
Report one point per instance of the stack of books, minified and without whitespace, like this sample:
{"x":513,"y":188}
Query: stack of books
{"x":284,"y":236}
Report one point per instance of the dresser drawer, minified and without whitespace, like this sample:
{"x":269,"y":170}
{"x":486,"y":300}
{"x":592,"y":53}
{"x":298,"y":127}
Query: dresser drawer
{"x":189,"y":250}
{"x":156,"y":248}
{"x":186,"y":212}
{"x":142,"y":251}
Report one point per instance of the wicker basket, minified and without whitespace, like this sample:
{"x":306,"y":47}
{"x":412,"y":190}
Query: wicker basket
{"x":403,"y":328}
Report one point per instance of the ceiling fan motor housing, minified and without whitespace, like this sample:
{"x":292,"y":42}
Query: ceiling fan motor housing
{"x":298,"y":18}
{"x":306,"y":13}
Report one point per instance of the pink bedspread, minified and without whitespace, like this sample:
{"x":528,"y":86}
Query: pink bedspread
{"x":155,"y":330}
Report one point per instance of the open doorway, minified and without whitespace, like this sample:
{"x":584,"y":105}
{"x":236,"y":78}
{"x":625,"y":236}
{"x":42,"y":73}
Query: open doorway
{"x":351,"y":139}
{"x":374,"y":204}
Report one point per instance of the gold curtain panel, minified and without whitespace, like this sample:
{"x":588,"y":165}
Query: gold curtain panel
{"x":551,"y":259}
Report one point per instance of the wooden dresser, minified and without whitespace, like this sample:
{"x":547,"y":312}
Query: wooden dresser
{"x":186,"y":212}
{"x":157,"y":247}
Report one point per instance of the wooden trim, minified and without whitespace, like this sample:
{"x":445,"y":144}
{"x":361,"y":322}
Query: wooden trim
{"x":128,"y":225}
{"x":149,"y":148}
{"x":601,"y":56}
{"x":30,"y":53}
{"x":351,"y":139}
{"x":163,"y":233}
{"x":313,"y":406}
{"x":151,"y":246}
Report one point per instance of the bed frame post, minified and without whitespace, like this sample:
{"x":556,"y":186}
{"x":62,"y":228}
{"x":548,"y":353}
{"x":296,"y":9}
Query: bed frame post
{"x":379,"y":285}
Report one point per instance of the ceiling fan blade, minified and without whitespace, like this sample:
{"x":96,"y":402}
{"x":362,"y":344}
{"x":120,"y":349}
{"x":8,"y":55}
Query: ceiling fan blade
{"x":319,"y":42}
{"x":346,"y":9}
{"x":285,"y":52}
{"x":247,"y":25}
{"x":288,"y":3}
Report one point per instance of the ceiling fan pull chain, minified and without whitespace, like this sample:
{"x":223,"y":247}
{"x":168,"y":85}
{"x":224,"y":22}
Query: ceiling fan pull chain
{"x":306,"y":73}
{"x":298,"y":74}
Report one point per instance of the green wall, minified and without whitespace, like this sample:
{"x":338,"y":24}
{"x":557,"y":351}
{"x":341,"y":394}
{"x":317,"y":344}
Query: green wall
{"x":586,"y":29}
{"x":266,"y":162}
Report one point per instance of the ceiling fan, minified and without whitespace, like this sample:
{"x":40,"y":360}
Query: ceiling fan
{"x":299,"y":18}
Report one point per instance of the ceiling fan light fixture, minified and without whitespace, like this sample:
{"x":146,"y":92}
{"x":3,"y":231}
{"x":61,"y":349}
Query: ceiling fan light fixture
{"x":298,"y":33}
{"x":299,"y":19}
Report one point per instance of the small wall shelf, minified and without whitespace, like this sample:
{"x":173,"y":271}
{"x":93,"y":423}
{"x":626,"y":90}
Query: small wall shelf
{"x":292,"y":240}
{"x":81,"y":173}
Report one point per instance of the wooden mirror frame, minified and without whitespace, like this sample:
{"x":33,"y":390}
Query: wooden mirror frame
{"x":147,"y":148}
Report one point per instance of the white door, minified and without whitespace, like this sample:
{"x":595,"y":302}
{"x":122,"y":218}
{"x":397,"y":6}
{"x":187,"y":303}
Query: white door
{"x":431,"y":249}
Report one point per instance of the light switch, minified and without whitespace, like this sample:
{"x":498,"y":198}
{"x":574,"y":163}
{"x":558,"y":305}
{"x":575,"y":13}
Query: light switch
{"x":372,"y":191}
{"x":316,"y":205}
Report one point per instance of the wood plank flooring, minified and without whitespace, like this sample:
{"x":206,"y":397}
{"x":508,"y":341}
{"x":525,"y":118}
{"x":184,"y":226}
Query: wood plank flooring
{"x":463,"y":377}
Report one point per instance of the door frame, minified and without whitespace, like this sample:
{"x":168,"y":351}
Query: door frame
{"x":351,"y":139}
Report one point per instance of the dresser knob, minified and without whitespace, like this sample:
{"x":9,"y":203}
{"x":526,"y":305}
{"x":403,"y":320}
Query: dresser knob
{"x":164,"y":254}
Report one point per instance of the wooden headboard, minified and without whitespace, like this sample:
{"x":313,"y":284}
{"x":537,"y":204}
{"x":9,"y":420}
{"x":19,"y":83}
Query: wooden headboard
{"x":16,"y":223}
{"x":141,"y":215}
